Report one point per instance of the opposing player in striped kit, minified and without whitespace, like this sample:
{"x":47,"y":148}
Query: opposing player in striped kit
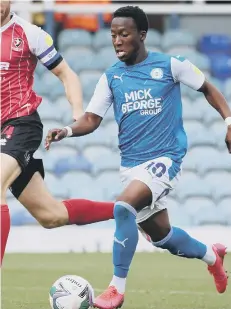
{"x":22,"y":45}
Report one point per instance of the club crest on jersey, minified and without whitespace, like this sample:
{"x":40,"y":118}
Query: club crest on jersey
{"x":17,"y":44}
{"x":157,"y":73}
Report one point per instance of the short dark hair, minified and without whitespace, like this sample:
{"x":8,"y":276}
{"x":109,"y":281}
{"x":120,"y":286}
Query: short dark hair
{"x":136,"y":13}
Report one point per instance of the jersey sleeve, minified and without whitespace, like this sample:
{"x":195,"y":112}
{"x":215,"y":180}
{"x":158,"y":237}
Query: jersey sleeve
{"x":101,"y":99}
{"x":46,"y":52}
{"x":41,"y":45}
{"x":187,"y":73}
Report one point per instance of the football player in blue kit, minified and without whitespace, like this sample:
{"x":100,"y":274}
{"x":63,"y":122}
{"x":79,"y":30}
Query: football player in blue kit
{"x":144,"y":89}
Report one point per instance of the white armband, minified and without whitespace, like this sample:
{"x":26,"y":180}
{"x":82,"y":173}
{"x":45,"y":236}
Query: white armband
{"x":228,"y":121}
{"x":69,"y":131}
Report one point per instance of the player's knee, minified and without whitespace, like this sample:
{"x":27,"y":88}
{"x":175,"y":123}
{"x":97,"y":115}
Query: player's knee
{"x":160,"y":233}
{"x":50,"y":222}
{"x":121,"y":211}
{"x":54,"y":218}
{"x":3,"y":193}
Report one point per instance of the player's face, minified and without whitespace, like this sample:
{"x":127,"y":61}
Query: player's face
{"x":5,"y":10}
{"x":126,"y":39}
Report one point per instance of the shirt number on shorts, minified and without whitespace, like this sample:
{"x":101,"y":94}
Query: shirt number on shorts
{"x":157,"y":169}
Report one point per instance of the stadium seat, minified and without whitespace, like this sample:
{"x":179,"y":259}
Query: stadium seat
{"x":39,"y":153}
{"x":198,"y":134}
{"x":225,"y":209}
{"x":215,"y":44}
{"x":227,"y":89}
{"x":56,"y":153}
{"x":94,"y":153}
{"x":50,"y":83}
{"x":99,"y":137}
{"x":40,"y":69}
{"x":209,"y":159}
{"x":107,"y":162}
{"x":220,"y":182}
{"x":110,"y":184}
{"x":218,"y":130}
{"x":191,"y":110}
{"x":200,"y":209}
{"x":49,"y":161}
{"x":107,"y":56}
{"x":18,"y":214}
{"x":102,"y":38}
{"x":72,"y":163}
{"x":189,"y":164}
{"x":112,"y":130}
{"x":81,"y":185}
{"x":177,"y":39}
{"x":153,"y":40}
{"x":80,"y":60}
{"x":38,"y":85}
{"x":177,"y":214}
{"x":190,"y":185}
{"x":208,"y":215}
{"x":55,"y":186}
{"x":221,"y":67}
{"x":49,"y":111}
{"x":89,"y":81}
{"x":69,"y":37}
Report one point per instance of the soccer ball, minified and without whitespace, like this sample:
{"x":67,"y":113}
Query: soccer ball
{"x":71,"y":292}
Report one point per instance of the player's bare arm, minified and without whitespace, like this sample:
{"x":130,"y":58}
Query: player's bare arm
{"x":72,"y":87}
{"x":218,"y":101}
{"x":87,"y":124}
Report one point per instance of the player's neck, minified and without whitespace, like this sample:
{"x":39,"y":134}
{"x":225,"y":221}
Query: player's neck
{"x":6,"y":20}
{"x":141,"y":56}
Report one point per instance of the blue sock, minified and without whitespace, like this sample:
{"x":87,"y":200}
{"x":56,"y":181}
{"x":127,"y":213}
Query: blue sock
{"x":180,"y":243}
{"x":125,"y":238}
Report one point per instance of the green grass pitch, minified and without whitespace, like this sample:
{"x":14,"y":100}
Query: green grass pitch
{"x":156,"y":280}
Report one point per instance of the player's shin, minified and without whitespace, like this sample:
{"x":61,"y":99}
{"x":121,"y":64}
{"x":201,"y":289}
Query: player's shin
{"x":125,"y":242}
{"x":5,"y":228}
{"x":81,"y":211}
{"x":180,"y":243}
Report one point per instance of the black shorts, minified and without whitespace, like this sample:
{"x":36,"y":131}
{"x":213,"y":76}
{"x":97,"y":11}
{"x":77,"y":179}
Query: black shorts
{"x":20,"y":138}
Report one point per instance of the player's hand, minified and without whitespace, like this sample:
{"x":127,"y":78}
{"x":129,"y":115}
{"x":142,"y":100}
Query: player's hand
{"x":228,"y":139}
{"x":54,"y":135}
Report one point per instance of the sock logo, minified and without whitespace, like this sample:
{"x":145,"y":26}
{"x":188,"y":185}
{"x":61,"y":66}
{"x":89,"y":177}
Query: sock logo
{"x":122,"y":243}
{"x":180,"y":253}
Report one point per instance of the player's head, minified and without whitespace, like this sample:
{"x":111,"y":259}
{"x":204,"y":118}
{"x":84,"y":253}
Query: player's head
{"x":5,"y":10}
{"x":129,"y":28}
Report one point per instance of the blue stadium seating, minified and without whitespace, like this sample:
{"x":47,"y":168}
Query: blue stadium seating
{"x":221,"y":66}
{"x":102,"y":39}
{"x":80,"y":60}
{"x":227,"y":89}
{"x":215,"y":44}
{"x":153,"y":40}
{"x":89,"y":80}
{"x":69,"y":38}
{"x":178,"y":39}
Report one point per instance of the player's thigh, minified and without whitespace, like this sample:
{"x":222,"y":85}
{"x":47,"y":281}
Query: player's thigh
{"x":10,"y":170}
{"x":137,"y":194}
{"x":41,"y":204}
{"x":157,"y":226}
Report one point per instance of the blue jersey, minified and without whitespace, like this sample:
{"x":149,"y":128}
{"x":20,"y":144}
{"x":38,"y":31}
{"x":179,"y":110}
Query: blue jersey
{"x":147,"y":105}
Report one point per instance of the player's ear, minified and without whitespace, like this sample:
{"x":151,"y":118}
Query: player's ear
{"x":143,"y":35}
